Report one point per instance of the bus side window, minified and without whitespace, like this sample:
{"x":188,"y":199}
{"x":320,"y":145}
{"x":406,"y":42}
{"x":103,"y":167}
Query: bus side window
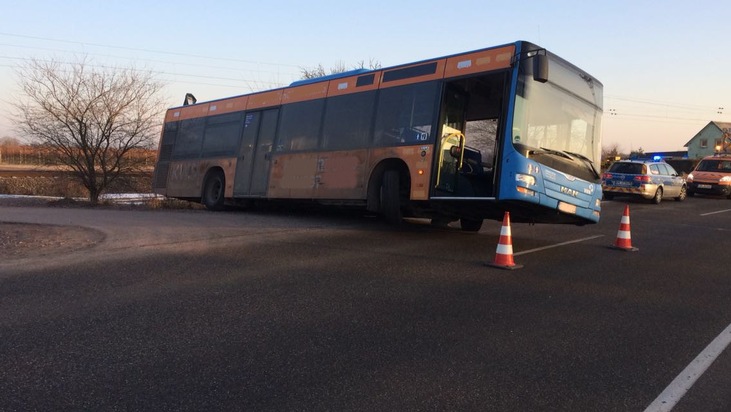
{"x":222,"y":134}
{"x":189,"y":139}
{"x":300,"y":125}
{"x":405,"y":113}
{"x":348,"y":121}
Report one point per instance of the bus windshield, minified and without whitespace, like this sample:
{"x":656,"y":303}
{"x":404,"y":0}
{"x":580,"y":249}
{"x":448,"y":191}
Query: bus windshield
{"x":559,"y":118}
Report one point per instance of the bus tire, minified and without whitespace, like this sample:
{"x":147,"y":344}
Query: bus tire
{"x":391,"y":197}
{"x":213,"y":190}
{"x":470,"y":225}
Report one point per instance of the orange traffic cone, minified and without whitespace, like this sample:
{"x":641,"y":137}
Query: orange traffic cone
{"x":624,"y":238}
{"x":504,"y":252}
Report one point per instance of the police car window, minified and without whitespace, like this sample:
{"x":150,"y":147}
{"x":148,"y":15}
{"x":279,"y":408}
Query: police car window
{"x":628,"y":168}
{"x":654,"y":170}
{"x":664,"y":170}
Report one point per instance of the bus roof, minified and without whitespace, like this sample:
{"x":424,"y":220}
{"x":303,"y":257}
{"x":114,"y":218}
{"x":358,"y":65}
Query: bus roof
{"x":482,"y":60}
{"x":328,"y":77}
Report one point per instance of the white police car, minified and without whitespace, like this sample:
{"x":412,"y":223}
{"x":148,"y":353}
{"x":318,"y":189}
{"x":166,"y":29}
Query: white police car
{"x":648,"y":179}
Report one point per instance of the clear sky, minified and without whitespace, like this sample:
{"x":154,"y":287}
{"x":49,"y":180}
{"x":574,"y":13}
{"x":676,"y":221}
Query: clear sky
{"x":665,"y":65}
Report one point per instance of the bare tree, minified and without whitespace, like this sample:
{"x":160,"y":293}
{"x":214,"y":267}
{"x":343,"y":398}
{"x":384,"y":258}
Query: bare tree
{"x":90,"y":117}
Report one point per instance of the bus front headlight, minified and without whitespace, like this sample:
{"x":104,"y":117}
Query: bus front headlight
{"x":523,"y":182}
{"x":527,"y":180}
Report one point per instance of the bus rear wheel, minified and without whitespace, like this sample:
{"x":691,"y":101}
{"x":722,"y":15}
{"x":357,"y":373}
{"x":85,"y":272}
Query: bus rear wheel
{"x":391,"y":197}
{"x":213,"y":190}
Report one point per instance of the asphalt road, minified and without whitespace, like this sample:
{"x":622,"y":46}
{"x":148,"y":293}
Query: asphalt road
{"x":316,"y":310}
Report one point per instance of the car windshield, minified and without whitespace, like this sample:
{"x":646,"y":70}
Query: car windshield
{"x":714,"y":165}
{"x":627,"y":168}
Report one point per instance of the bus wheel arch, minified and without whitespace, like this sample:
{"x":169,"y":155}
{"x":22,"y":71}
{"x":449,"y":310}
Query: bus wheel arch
{"x":214,"y":188}
{"x":388,"y":189}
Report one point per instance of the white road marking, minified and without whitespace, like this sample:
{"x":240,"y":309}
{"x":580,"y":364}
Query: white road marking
{"x":556,"y":245}
{"x":683,"y":382}
{"x":713,"y":213}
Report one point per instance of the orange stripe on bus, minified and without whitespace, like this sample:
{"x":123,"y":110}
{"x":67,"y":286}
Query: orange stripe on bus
{"x":304,"y":92}
{"x":265,"y":99}
{"x":347,"y":85}
{"x":187,"y":112}
{"x":478,"y":62}
{"x":236,"y":104}
{"x":438,"y":74}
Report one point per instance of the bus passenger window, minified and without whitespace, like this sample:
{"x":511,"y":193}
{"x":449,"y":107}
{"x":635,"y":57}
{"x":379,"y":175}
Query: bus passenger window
{"x":222,"y":134}
{"x":189,"y":139}
{"x":347,"y":122}
{"x":405,"y":114}
{"x":300,"y":125}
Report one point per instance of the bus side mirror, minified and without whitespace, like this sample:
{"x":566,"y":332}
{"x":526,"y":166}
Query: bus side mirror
{"x":540,"y":68}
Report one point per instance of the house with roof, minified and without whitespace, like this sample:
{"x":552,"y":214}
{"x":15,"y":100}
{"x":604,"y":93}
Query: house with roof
{"x":715,"y":137}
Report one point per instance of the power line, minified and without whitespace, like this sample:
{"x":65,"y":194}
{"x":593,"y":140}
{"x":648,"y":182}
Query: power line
{"x":171,"y":53}
{"x":187,"y":64}
{"x":159,"y":72}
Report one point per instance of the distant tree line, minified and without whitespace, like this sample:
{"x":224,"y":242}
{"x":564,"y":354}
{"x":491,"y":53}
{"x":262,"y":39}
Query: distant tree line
{"x":14,"y":152}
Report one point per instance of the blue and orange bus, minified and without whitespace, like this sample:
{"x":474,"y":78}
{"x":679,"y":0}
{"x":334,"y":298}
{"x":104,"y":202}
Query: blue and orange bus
{"x":463,"y":137}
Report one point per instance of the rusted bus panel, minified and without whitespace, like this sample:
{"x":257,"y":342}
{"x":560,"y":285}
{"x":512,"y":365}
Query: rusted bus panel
{"x":419,"y":160}
{"x":185,"y":178}
{"x":437,"y":74}
{"x":293,"y":176}
{"x":481,"y":61}
{"x":264,"y":99}
{"x":342,"y":175}
{"x":347,"y":85}
{"x":304,"y":92}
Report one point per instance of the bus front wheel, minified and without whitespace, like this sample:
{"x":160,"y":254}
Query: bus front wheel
{"x":213,"y":190}
{"x":391,"y":197}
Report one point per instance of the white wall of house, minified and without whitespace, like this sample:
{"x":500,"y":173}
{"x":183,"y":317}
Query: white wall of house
{"x":704,"y":142}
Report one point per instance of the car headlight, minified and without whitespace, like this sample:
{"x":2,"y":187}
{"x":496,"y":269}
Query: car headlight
{"x":726,"y":179}
{"x":689,"y":178}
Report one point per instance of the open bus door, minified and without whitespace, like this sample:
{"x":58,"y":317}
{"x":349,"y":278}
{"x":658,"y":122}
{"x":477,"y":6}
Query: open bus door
{"x":450,"y":161}
{"x":467,"y":144}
